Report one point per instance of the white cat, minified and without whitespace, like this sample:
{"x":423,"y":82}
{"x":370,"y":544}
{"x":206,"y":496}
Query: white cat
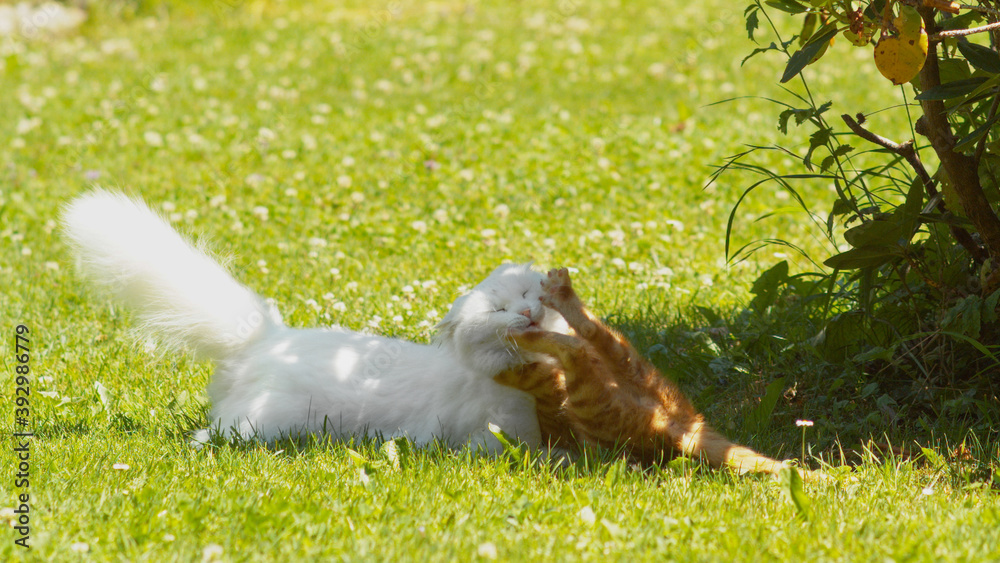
{"x":273,"y":381}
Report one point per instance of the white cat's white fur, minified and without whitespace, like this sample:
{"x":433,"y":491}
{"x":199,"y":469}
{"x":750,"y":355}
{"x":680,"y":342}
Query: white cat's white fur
{"x":273,"y":381}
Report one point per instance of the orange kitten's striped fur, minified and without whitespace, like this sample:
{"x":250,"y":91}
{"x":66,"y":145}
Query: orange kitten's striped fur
{"x":600,"y":391}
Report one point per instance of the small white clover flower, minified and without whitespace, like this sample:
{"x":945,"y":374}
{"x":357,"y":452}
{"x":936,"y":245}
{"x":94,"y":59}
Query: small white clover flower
{"x":153,"y":138}
{"x":212,"y":552}
{"x":487,"y":550}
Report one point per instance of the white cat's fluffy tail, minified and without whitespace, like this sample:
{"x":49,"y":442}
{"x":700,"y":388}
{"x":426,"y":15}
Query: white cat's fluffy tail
{"x":179,"y":293}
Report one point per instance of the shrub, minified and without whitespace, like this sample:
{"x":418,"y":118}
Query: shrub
{"x":907,"y":314}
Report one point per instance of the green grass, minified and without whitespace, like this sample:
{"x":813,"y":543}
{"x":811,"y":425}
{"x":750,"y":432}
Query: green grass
{"x":362,"y":165}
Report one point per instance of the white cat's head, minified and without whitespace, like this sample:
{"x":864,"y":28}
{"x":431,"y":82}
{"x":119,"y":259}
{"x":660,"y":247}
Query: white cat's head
{"x":476,"y":325}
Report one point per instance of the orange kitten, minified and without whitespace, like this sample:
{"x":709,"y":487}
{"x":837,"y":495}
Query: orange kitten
{"x":600,"y":391}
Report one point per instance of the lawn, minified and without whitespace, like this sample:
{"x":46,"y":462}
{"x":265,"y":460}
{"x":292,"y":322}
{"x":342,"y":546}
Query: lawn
{"x":363,"y":163}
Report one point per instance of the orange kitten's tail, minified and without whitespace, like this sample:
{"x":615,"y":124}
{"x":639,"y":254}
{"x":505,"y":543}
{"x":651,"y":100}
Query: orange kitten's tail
{"x":700,"y":441}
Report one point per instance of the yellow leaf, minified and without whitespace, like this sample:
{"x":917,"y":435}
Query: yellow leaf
{"x":857,"y":39}
{"x":909,"y":23}
{"x":900,"y":60}
{"x":808,"y":26}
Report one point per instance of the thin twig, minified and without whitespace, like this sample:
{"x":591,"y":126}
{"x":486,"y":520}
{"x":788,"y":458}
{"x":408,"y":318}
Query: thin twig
{"x":963,"y":32}
{"x":904,"y":150}
{"x":907,"y":151}
{"x":984,"y":9}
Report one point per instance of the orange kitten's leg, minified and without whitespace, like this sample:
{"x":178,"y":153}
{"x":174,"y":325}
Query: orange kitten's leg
{"x":565,"y":348}
{"x":557,"y":293}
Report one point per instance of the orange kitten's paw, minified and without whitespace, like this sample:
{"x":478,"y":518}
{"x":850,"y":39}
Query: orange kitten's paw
{"x":556,"y":287}
{"x":556,"y":278}
{"x":525,"y":334}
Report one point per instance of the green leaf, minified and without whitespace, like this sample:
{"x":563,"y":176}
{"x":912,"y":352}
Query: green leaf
{"x":874,"y":9}
{"x":840,"y":207}
{"x":765,"y":288}
{"x":397,"y":452}
{"x":932,"y":456}
{"x":613,"y":475}
{"x":865,"y":257}
{"x":953,"y":69}
{"x":970,"y":140}
{"x":808,"y":27}
{"x":753,"y":20}
{"x":760,"y":417}
{"x":106,"y":396}
{"x":791,"y":487}
{"x":789,"y":6}
{"x":783,"y":118}
{"x":989,"y":176}
{"x":990,"y":307}
{"x":801,"y":115}
{"x":840,"y":151}
{"x":759,"y":50}
{"x":875,"y":353}
{"x":680,"y":464}
{"x":909,"y":213}
{"x":948,"y":218}
{"x":980,"y":57}
{"x":356,"y":457}
{"x":983,"y":89}
{"x":878,"y":232}
{"x":505,"y":440}
{"x":964,"y":316}
{"x":951,"y":90}
{"x":805,"y":55}
{"x":839,"y":338}
{"x":710,"y":315}
{"x":885,"y":401}
{"x":896,"y":229}
{"x":964,"y":21}
{"x":818,"y":139}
